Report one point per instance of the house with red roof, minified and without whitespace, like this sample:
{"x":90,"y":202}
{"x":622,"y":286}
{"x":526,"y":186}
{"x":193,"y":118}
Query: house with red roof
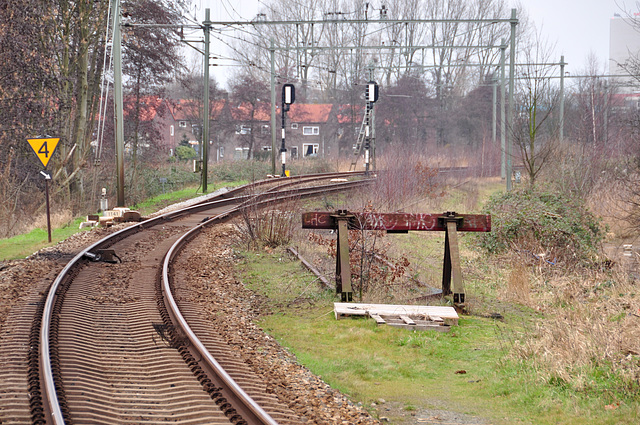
{"x":185,"y":124}
{"x":309,"y":130}
{"x":243,"y":130}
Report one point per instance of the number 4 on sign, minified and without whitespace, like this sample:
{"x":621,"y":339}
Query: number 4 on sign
{"x":44,"y":149}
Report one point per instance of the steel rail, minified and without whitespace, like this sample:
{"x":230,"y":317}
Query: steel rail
{"x":53,"y":409}
{"x":181,"y":323}
{"x":45,"y":357}
{"x":205,"y":355}
{"x":51,"y":396}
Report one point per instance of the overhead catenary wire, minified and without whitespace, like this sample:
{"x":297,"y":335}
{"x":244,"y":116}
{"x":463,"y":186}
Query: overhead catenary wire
{"x":104,"y":89}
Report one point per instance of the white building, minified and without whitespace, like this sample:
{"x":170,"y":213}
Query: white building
{"x":624,"y":44}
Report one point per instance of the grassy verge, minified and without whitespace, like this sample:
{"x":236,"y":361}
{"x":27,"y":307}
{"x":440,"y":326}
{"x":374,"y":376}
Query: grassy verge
{"x":565,"y":351}
{"x":158,"y":202}
{"x":24,"y":245}
{"x":468,"y":370}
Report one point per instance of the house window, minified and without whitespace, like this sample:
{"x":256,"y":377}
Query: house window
{"x":310,"y":149}
{"x":182,"y":124}
{"x":171,"y":130}
{"x":241,"y":153}
{"x":310,"y":131}
{"x":294,"y":126}
{"x":294,"y":152}
{"x":265,"y":129}
{"x":243,"y":129}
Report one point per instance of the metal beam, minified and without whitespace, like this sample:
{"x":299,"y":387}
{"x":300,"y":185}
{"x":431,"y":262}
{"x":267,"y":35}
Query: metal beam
{"x":512,"y":70}
{"x":273,"y":107}
{"x":562,"y":64}
{"x":503,"y":106}
{"x":397,"y":222}
{"x":343,"y":266}
{"x":381,"y":47}
{"x":359,"y":21}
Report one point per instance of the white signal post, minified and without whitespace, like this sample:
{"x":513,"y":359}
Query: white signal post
{"x":371,"y":96}
{"x":288,"y":97}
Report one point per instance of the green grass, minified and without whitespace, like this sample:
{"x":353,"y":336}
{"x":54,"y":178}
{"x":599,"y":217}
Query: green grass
{"x":295,"y":286}
{"x":24,"y":245}
{"x":417,"y":370}
{"x":158,"y":202}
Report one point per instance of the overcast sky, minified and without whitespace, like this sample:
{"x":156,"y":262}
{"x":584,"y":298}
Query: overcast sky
{"x":576,"y":27}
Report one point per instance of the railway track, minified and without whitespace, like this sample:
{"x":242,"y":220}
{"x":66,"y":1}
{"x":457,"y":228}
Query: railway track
{"x":111,"y":343}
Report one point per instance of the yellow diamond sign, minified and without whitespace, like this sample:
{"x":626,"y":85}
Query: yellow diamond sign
{"x":44,"y":148}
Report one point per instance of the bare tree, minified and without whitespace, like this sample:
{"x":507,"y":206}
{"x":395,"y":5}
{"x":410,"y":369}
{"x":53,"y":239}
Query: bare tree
{"x":249,"y":96}
{"x":592,"y":101}
{"x":534,"y":131}
{"x":406,"y":111}
{"x":151,"y":59}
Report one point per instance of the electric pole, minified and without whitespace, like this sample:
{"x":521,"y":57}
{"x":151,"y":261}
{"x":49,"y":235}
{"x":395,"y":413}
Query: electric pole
{"x":116,"y":52}
{"x":205,"y":115}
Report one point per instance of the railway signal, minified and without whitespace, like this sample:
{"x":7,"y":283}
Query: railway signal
{"x":288,"y":97}
{"x":371,"y":96}
{"x":372,"y":92}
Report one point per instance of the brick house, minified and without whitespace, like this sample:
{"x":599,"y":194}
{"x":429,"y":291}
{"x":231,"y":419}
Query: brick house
{"x":185,"y":123}
{"x":309,"y":130}
{"x":236,"y":130}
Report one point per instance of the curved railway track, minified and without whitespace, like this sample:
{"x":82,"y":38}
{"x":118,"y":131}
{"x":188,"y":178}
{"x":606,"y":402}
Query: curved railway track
{"x":111,"y":342}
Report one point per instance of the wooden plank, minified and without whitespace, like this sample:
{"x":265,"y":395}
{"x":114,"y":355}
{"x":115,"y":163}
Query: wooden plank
{"x":406,"y":319}
{"x":419,"y":327}
{"x":447,"y":314}
{"x":379,"y":320}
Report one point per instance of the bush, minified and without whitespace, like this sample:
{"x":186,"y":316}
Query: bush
{"x":268,"y":227}
{"x":310,"y":166}
{"x":148,"y":182}
{"x":538,"y":221}
{"x":241,"y":170}
{"x":185,"y":153}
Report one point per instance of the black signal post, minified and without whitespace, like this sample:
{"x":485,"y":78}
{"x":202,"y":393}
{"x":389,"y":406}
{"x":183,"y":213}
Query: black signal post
{"x":371,"y":97}
{"x":288,"y":97}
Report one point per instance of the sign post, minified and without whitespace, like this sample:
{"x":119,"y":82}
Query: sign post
{"x":47,"y":177}
{"x":44,"y":149}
